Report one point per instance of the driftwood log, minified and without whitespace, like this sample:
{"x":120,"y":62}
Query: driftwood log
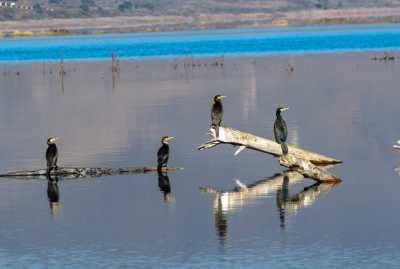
{"x":308,"y":163}
{"x":80,"y":172}
{"x":308,"y":169}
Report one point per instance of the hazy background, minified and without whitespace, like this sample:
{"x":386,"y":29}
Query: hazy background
{"x":105,"y":8}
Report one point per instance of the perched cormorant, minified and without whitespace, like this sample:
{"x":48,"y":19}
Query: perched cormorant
{"x":280,"y":129}
{"x":51,"y":154}
{"x":217,"y":112}
{"x":163,"y":152}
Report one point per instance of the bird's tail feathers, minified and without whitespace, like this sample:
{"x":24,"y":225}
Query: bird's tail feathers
{"x":216,"y":128}
{"x":285,"y":149}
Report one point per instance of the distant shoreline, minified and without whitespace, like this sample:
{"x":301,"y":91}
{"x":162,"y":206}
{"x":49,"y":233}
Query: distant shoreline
{"x":74,"y":26}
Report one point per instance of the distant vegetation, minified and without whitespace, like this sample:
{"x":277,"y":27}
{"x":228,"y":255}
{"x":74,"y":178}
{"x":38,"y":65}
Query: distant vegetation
{"x":125,"y":6}
{"x":105,"y":8}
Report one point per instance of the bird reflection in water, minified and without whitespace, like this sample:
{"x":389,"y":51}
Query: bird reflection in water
{"x":290,"y":204}
{"x":221,"y":225}
{"x":228,"y":202}
{"x":53,"y":194}
{"x":165,"y":186}
{"x":282,"y":197}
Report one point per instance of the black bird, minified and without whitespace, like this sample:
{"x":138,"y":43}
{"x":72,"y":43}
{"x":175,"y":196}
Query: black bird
{"x":51,"y":154}
{"x":217,"y":112}
{"x":280,"y":129}
{"x":163,"y":152}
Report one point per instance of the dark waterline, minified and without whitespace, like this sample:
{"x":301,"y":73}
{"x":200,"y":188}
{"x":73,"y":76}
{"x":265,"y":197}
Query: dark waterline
{"x":276,"y":41}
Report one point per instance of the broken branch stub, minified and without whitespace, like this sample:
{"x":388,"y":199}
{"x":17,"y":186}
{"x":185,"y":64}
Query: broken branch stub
{"x":308,"y":169}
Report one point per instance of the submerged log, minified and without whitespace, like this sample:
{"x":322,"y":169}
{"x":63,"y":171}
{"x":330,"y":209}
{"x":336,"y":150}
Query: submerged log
{"x":80,"y":172}
{"x":306,"y":162}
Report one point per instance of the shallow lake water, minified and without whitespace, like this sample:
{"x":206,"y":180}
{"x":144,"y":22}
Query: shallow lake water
{"x":205,"y":43}
{"x":343,"y":105}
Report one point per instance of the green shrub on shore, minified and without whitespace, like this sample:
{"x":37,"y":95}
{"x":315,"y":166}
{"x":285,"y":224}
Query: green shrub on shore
{"x":125,"y":6}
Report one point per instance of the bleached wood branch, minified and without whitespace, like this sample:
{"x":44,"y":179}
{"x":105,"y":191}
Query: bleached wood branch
{"x":239,"y":138}
{"x":303,"y":161}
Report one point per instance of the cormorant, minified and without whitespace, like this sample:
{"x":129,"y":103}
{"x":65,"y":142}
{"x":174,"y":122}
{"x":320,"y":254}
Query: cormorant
{"x":217,"y":112}
{"x":163,"y":152}
{"x":51,"y":154}
{"x":280,"y":129}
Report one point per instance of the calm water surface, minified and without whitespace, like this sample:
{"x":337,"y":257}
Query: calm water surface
{"x":345,"y":106}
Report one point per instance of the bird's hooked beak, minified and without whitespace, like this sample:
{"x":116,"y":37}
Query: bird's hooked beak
{"x":284,"y":109}
{"x":222,"y":97}
{"x":169,"y":138}
{"x":52,"y":140}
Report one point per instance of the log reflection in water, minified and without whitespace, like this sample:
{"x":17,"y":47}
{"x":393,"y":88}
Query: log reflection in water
{"x":226,"y":202}
{"x":397,"y":169}
{"x":230,"y":201}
